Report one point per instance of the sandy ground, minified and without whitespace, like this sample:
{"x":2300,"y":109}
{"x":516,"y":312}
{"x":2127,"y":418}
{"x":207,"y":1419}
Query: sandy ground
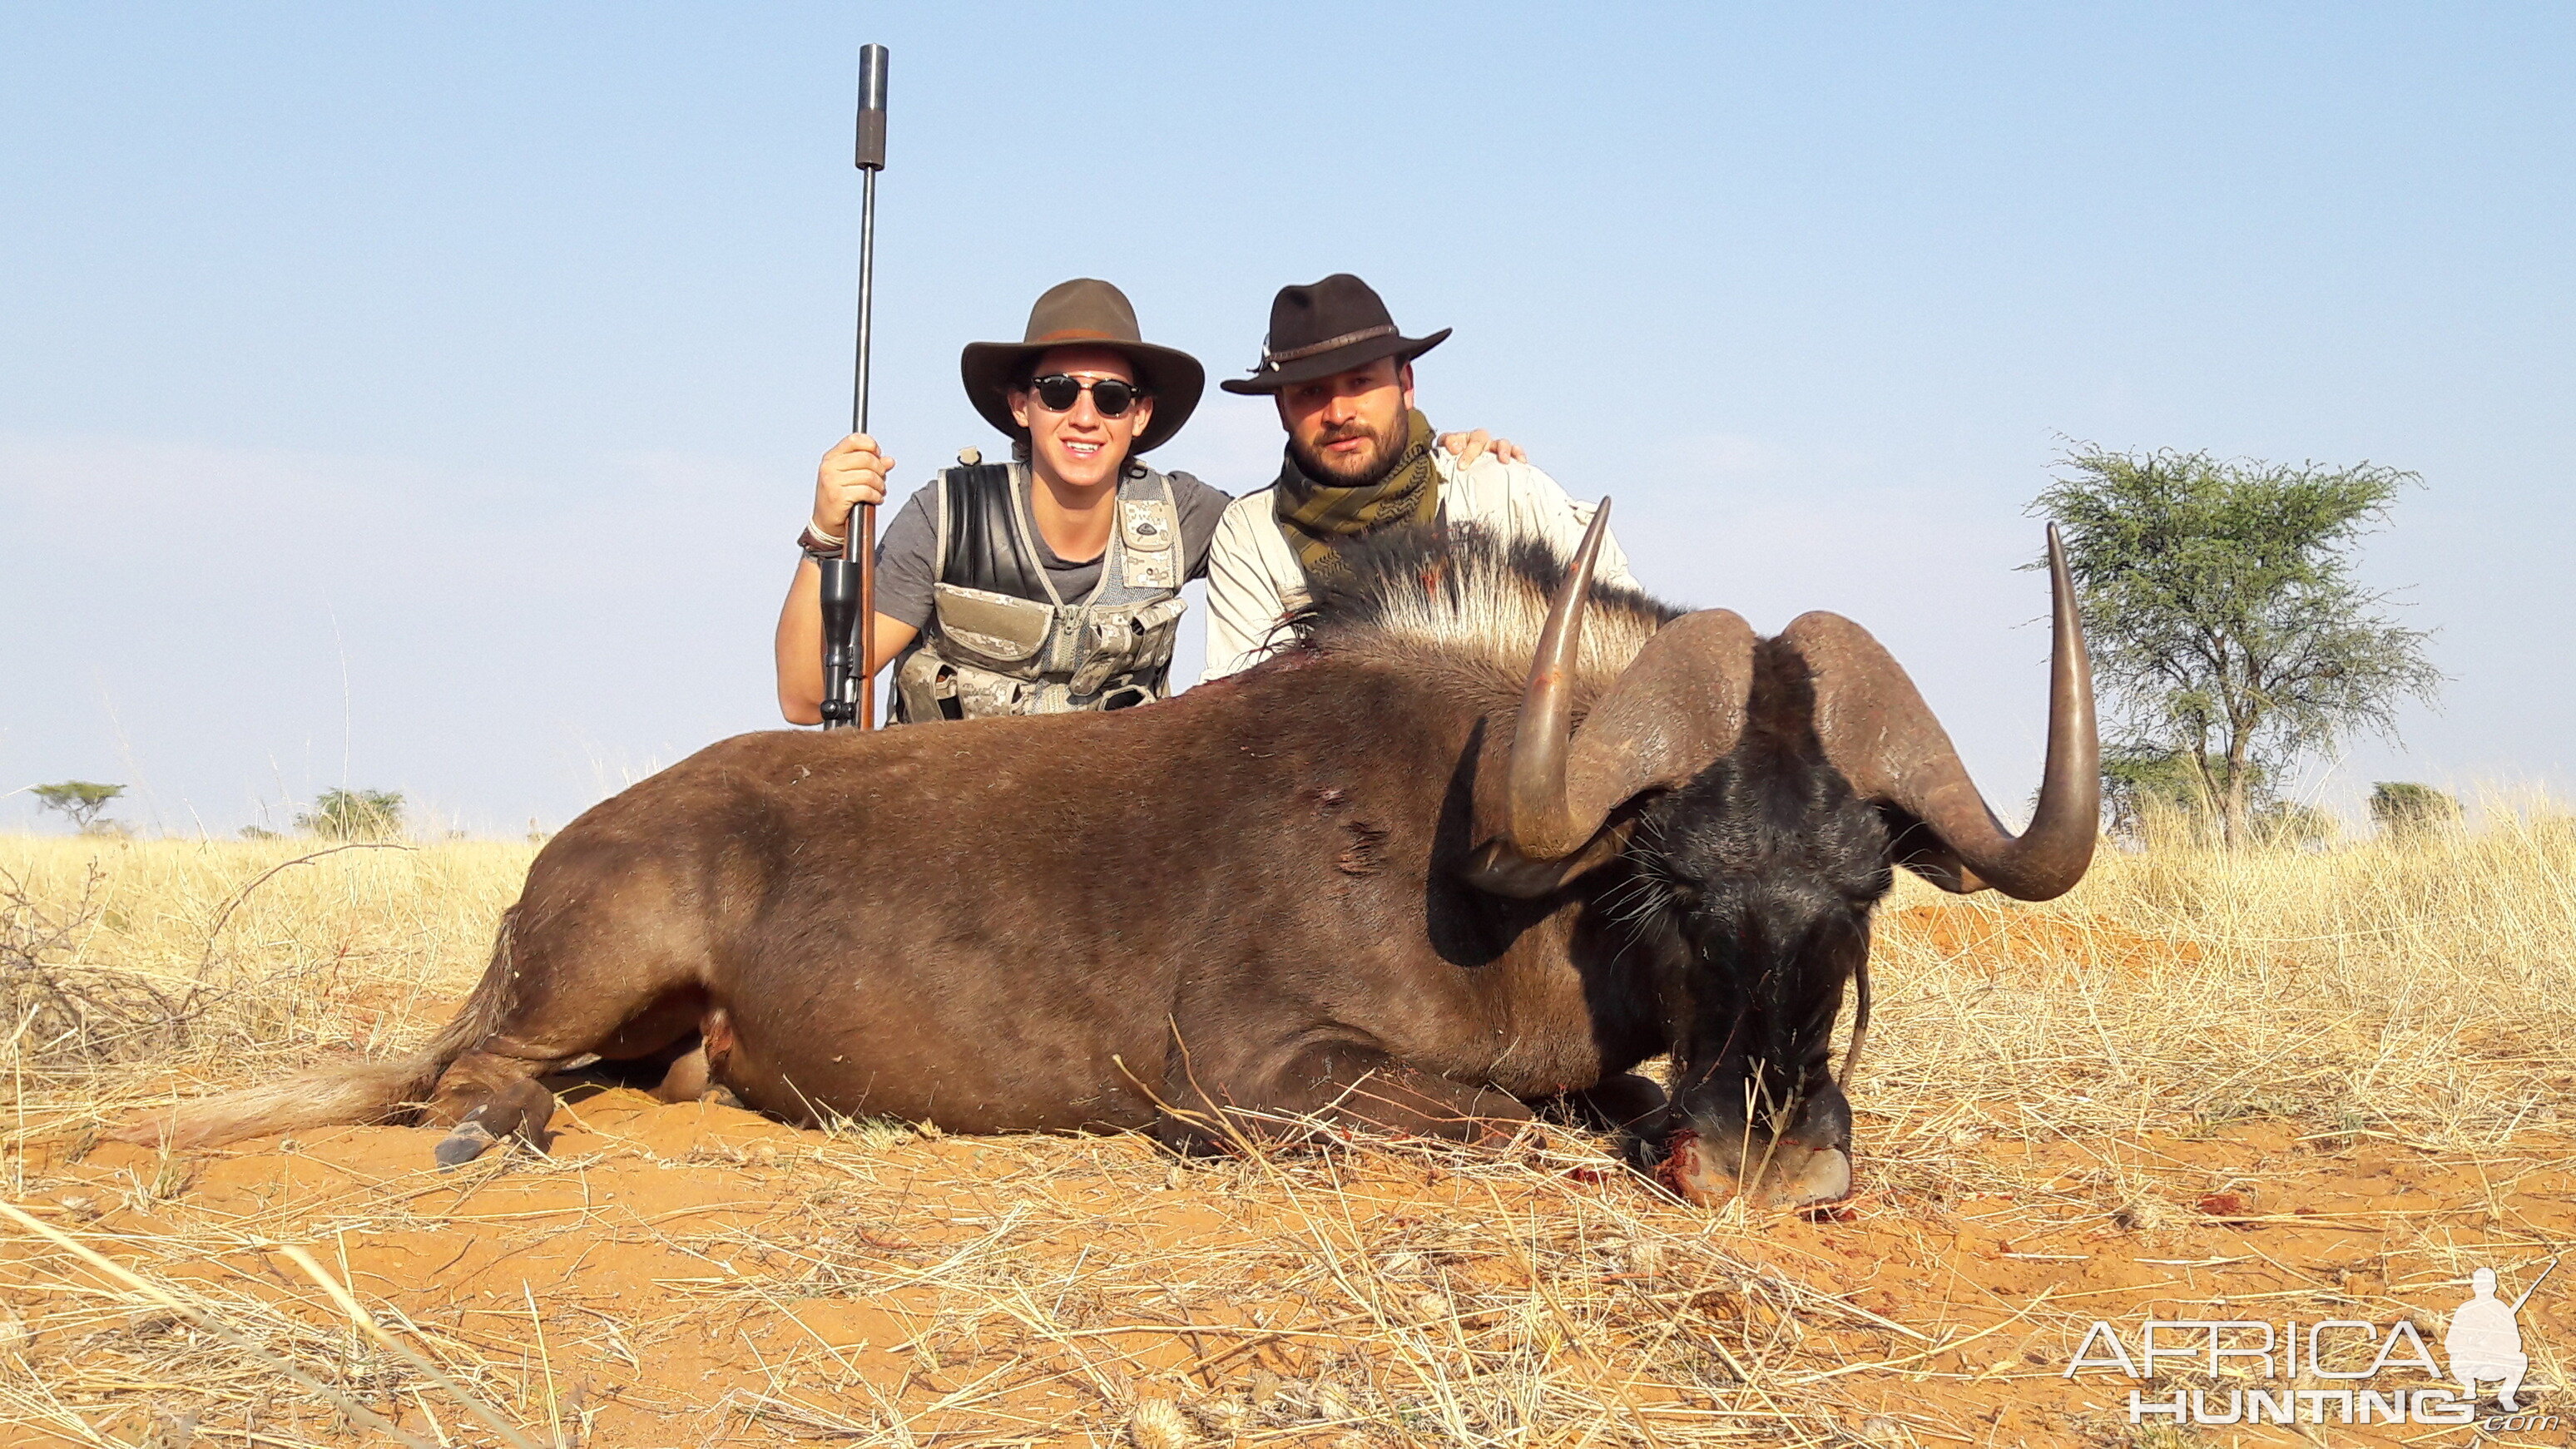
{"x":694,"y":1274}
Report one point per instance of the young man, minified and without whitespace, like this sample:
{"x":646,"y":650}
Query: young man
{"x":1045,"y":584}
{"x":1359,"y":458}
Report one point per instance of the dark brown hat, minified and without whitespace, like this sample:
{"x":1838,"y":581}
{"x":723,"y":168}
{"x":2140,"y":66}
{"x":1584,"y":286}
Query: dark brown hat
{"x":1337,"y":324}
{"x":1083,"y":312}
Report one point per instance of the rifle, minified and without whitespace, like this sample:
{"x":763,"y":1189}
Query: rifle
{"x":850,"y":581}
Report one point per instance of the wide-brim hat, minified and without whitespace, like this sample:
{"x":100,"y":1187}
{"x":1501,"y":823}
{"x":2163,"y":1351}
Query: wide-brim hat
{"x":1085,"y":312}
{"x":1332,"y":326}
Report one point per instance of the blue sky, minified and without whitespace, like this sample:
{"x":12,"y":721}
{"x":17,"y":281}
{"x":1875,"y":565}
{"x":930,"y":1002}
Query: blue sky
{"x":425,"y":398}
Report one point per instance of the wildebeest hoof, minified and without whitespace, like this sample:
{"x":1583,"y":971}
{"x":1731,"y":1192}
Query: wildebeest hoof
{"x":1710,"y":1168}
{"x":468,"y":1141}
{"x":520,"y":1110}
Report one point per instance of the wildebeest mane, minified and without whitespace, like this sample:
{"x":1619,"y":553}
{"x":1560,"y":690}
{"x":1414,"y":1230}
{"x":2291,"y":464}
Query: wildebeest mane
{"x":1461,"y":603}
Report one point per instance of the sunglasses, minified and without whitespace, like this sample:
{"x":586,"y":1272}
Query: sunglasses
{"x":1056,"y":393}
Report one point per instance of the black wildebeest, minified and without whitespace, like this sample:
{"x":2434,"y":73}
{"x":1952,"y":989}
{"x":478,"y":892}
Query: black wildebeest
{"x":1400,"y":874}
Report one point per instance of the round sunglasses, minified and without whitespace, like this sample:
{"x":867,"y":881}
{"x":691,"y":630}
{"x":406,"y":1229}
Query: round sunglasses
{"x":1110,"y":396}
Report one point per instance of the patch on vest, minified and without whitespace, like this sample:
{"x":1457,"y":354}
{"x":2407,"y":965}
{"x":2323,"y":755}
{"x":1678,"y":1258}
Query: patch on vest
{"x":1149,"y":530}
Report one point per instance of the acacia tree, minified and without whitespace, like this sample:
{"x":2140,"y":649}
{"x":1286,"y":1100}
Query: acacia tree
{"x":2405,"y":810}
{"x":2227,"y":630}
{"x":2146,"y":788}
{"x":80,"y":801}
{"x":354,"y":815}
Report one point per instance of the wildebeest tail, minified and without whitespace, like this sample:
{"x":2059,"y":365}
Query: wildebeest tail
{"x":354,"y":1092}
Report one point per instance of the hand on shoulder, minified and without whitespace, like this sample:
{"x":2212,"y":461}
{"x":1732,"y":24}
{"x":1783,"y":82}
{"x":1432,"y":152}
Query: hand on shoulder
{"x":1468,"y":447}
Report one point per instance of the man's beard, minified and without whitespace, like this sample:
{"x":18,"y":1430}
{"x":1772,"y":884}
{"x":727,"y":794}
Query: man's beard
{"x":1358,"y":473}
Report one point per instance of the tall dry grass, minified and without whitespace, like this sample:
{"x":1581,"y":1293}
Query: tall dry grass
{"x":132,"y":969}
{"x":2422,"y":988}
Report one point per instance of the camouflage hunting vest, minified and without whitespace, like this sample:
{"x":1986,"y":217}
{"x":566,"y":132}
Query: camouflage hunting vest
{"x":1002,"y":642}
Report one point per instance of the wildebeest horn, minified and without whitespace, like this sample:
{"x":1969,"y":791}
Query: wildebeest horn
{"x":1678,"y":705}
{"x":1876,"y":730}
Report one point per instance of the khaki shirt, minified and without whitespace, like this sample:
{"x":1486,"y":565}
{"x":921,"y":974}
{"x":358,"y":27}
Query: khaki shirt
{"x":1254,"y":578}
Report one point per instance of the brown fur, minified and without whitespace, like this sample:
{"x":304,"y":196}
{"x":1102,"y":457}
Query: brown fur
{"x":1201,"y":916}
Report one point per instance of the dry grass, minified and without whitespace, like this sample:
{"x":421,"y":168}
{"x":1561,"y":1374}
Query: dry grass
{"x":2424,"y":990}
{"x":2332,"y":1082}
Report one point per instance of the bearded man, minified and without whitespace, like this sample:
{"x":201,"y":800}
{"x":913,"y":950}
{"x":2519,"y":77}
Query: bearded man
{"x":1360,"y":458}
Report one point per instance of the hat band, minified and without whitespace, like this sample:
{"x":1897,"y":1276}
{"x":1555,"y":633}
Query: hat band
{"x":1293,"y":354}
{"x":1075,"y":334}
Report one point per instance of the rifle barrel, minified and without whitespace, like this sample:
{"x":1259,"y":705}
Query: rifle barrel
{"x":860,"y":550}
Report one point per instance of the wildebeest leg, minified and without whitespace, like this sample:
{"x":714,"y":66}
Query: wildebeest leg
{"x":1338,"y":1084}
{"x":520,"y":1110}
{"x":487,"y":1096}
{"x":491,"y":1092}
{"x":1629,"y":1106}
{"x":693,"y":1075}
{"x":688,"y":1078}
{"x":1625,"y":1102}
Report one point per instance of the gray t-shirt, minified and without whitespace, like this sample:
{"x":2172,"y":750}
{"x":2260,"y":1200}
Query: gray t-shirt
{"x":908,"y":553}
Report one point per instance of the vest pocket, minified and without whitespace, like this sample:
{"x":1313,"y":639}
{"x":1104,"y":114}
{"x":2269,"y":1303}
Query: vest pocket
{"x":1135,"y":640}
{"x":1000,"y":629}
{"x":1158,"y":628}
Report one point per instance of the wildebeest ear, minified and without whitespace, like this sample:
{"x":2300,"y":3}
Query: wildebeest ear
{"x":1507,"y":872}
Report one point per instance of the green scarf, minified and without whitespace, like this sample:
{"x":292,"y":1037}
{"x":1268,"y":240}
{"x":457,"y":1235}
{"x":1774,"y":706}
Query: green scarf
{"x":1320,"y":517}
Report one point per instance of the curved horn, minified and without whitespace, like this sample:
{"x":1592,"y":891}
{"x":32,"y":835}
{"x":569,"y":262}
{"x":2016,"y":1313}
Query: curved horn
{"x":1876,"y":730}
{"x":1678,"y":706}
{"x":1542,"y":822}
